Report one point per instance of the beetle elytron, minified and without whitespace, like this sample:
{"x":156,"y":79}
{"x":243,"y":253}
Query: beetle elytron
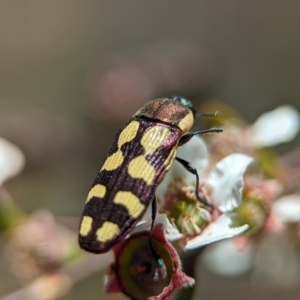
{"x":142,"y":152}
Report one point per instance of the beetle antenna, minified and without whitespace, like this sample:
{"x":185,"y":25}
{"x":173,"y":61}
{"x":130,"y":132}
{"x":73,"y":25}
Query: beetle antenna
{"x":200,"y":114}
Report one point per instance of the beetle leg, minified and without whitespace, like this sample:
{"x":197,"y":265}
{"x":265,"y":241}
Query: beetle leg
{"x":185,"y":138}
{"x":153,"y":216}
{"x":189,"y":167}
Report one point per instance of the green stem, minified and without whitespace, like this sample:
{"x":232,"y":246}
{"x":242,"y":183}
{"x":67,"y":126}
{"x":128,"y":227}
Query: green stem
{"x":10,"y":213}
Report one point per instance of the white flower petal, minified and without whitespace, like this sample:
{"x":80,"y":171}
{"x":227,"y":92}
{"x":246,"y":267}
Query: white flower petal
{"x":216,"y":231}
{"x":195,"y":152}
{"x":225,"y":259}
{"x":12,"y":160}
{"x":172,"y":233}
{"x":280,"y":125}
{"x":287,"y":208}
{"x":226,"y":181}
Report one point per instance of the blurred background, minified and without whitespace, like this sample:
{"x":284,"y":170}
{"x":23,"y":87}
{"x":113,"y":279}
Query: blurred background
{"x":73,"y":71}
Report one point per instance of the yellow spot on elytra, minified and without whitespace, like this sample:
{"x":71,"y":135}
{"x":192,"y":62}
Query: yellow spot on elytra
{"x":139,"y":167}
{"x":97,"y":190}
{"x":187,"y":122}
{"x":131,"y":202}
{"x":154,"y":138}
{"x":86,"y":225}
{"x":107,"y":232}
{"x":128,"y":133}
{"x":115,"y":160}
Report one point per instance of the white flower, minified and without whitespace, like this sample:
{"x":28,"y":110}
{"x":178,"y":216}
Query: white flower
{"x":12,"y":160}
{"x":225,"y":182}
{"x":287,"y":209}
{"x":273,"y":261}
{"x":280,"y":125}
{"x":218,"y":230}
{"x":225,"y":259}
{"x":171,"y":232}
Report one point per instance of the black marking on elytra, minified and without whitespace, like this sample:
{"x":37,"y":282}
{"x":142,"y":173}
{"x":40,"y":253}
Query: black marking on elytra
{"x":104,"y":209}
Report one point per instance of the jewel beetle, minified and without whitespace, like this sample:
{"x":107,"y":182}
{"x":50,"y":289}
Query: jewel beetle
{"x":141,"y":154}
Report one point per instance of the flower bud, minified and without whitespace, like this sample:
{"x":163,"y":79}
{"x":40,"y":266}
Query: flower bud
{"x":137,"y":272}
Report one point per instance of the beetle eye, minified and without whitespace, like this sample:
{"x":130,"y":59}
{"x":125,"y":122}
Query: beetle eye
{"x":176,"y":98}
{"x":183,"y":101}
